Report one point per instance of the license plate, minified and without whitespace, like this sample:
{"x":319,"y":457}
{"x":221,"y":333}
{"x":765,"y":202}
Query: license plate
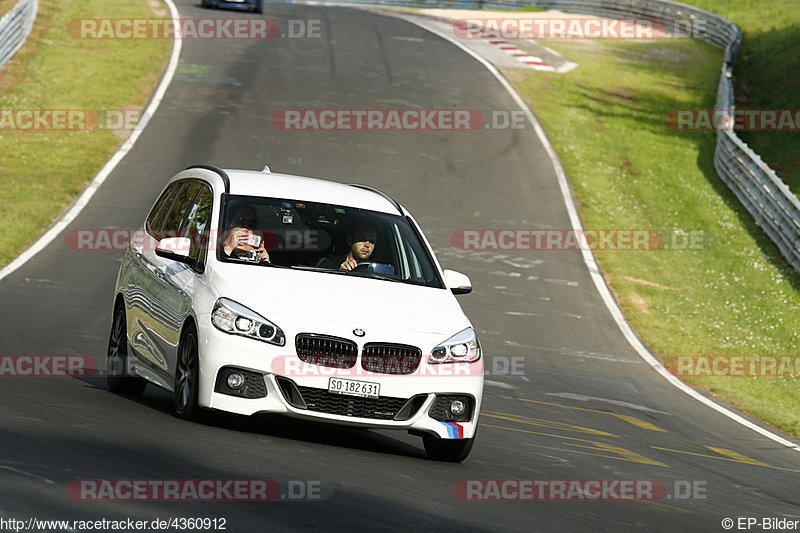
{"x":351,"y":387}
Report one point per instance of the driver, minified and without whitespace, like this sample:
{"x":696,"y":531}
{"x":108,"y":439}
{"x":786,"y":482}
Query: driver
{"x":362,"y":245}
{"x":240,"y":238}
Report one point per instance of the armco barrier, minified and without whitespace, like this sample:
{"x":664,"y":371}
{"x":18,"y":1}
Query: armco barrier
{"x":15,"y":27}
{"x":768,"y":200}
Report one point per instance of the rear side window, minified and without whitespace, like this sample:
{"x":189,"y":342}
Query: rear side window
{"x":198,"y":222}
{"x":172,"y":209}
{"x":159,"y":211}
{"x":181,"y":205}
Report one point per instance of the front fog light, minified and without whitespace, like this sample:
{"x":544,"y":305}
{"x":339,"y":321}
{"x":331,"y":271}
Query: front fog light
{"x":241,"y":383}
{"x":456,"y":406}
{"x":452,"y":408}
{"x":235,"y":381}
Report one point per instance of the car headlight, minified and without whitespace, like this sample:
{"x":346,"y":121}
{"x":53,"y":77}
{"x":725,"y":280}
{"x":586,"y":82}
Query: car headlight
{"x":463,"y":347}
{"x":236,"y":319}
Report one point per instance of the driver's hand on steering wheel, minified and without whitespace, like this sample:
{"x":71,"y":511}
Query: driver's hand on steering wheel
{"x":349,"y":264}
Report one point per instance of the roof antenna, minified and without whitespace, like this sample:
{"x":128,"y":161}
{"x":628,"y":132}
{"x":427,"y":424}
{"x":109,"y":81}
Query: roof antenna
{"x":266,"y":169}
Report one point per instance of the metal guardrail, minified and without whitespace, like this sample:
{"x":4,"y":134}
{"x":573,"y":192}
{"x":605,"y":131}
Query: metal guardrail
{"x":15,"y":27}
{"x":773,"y":206}
{"x":765,"y":196}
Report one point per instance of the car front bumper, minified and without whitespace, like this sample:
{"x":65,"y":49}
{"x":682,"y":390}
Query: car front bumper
{"x":278,"y":366}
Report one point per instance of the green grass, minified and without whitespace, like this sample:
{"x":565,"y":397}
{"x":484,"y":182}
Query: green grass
{"x":735,"y":295}
{"x":6,"y":5}
{"x":41,"y":173}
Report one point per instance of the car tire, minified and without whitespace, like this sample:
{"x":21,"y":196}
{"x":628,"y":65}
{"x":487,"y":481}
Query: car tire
{"x":205,"y":4}
{"x":186,"y":376}
{"x":117,"y":360}
{"x":448,"y":450}
{"x":259,"y":9}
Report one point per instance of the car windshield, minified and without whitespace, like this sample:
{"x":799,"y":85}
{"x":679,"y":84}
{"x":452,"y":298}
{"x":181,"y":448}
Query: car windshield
{"x":320,"y":237}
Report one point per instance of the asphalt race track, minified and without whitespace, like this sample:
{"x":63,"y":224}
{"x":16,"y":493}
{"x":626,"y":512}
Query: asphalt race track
{"x":580,"y":403}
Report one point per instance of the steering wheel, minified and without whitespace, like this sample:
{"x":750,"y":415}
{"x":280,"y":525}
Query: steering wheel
{"x":384,"y":269}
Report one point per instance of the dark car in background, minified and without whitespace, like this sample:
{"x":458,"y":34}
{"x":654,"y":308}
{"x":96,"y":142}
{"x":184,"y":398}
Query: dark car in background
{"x":256,"y":6}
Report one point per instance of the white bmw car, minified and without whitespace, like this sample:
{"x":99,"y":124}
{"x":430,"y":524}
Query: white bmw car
{"x":256,"y":292}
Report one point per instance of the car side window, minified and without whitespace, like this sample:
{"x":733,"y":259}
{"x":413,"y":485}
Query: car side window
{"x":155,"y":219}
{"x":198,"y":222}
{"x":179,"y":210}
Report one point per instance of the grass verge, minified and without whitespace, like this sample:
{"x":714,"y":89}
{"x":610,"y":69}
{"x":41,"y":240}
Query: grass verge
{"x":731,"y":295}
{"x":42,"y":172}
{"x":6,"y":5}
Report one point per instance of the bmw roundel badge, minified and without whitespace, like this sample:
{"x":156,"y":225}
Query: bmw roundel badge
{"x":358,"y":332}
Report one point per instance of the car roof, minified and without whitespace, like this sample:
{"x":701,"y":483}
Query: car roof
{"x":274,"y":185}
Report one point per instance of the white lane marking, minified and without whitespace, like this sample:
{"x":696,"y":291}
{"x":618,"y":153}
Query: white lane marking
{"x":581,"y":354}
{"x":67,"y":218}
{"x":408,"y":39}
{"x":582,"y":398}
{"x":505,"y":274}
{"x":43,"y":280}
{"x":498,"y":384}
{"x":24,"y":473}
{"x":564,"y":282}
{"x":588,"y":258}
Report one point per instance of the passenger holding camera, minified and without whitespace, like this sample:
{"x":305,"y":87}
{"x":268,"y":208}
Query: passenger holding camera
{"x":241,"y":241}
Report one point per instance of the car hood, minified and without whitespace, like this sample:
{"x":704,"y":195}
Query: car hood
{"x":357,"y":301}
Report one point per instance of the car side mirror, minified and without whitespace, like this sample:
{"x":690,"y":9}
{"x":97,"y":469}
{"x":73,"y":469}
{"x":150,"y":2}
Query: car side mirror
{"x":457,"y":282}
{"x":176,"y":249}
